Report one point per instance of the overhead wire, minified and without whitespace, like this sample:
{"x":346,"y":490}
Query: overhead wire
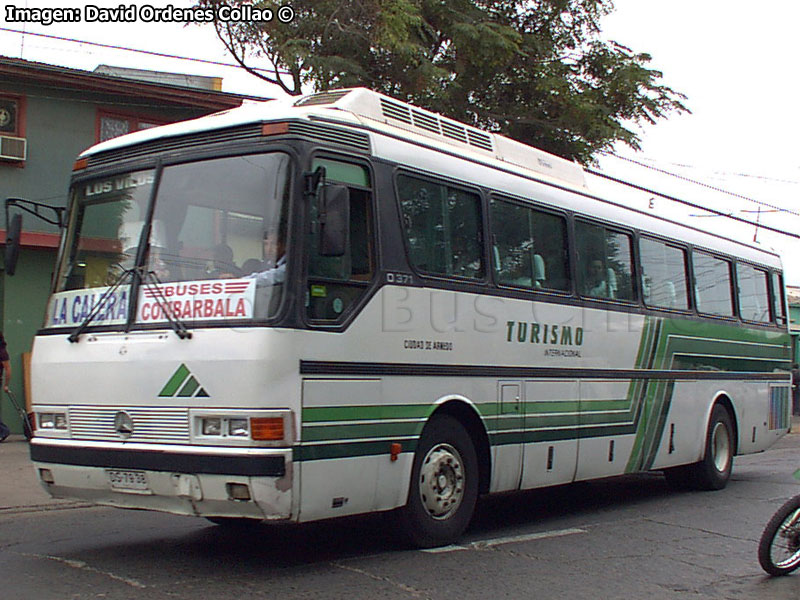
{"x":715,"y":171}
{"x":708,"y":186}
{"x":692,"y":204}
{"x":148,"y":52}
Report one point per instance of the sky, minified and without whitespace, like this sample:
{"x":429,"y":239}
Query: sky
{"x":733,"y":59}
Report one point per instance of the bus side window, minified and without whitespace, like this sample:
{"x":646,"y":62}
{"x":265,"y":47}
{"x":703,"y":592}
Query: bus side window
{"x":529,"y":247}
{"x":443,"y":228}
{"x":664,"y":274}
{"x":753,"y":293}
{"x":605,"y":262}
{"x":713,"y":281}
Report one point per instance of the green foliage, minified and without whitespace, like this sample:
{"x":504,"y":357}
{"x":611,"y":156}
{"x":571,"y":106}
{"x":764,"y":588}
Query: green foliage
{"x":535,"y":70}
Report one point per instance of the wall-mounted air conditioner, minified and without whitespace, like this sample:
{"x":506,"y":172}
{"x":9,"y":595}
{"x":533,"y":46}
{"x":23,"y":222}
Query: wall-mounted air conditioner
{"x":13,"y":148}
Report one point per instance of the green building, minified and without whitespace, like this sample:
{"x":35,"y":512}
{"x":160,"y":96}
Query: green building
{"x":48,"y":115}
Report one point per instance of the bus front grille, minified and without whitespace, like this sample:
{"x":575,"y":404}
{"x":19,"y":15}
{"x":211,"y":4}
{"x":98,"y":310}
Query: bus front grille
{"x":150,"y":424}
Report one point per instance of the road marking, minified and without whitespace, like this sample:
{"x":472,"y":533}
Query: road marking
{"x":80,"y":565}
{"x":410,"y":590}
{"x":512,"y":539}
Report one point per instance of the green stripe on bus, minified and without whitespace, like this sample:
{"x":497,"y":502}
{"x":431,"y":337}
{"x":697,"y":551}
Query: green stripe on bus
{"x":640,"y":392}
{"x":558,"y":435}
{"x":349,"y":432}
{"x":324,"y":414}
{"x":551,"y":406}
{"x":350,"y":450}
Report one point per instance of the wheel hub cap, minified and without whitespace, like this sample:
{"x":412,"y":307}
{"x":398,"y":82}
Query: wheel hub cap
{"x":721,"y":447}
{"x":441,"y":481}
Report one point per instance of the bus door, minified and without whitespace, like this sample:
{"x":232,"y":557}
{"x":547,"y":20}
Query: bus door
{"x":550,"y":449}
{"x":507,"y":443}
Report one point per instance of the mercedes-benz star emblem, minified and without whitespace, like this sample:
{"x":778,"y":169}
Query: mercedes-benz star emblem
{"x":123,"y":424}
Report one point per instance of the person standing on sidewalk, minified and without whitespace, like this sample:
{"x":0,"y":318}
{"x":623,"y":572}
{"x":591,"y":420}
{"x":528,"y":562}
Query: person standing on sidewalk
{"x":5,"y":377}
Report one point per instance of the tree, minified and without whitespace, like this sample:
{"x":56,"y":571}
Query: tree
{"x":534,"y":70}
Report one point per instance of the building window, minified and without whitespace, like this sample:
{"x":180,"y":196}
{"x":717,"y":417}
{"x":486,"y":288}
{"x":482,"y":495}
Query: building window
{"x":11,"y":116}
{"x":13,"y":146}
{"x":111,"y":125}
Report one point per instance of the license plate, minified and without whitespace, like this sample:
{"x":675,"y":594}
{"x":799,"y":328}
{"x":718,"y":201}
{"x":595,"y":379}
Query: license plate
{"x":128,"y":480}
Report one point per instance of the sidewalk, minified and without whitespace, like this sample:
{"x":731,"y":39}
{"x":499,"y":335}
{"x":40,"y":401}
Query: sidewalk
{"x":20,"y":490}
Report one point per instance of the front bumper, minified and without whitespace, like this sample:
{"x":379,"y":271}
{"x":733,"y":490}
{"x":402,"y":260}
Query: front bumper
{"x":190,"y":480}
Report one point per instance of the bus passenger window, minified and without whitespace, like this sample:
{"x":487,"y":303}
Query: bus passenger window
{"x":753,"y":293}
{"x":442,"y":226}
{"x":529,"y":247}
{"x":605,"y":262}
{"x":712,"y":277}
{"x":664,"y":275}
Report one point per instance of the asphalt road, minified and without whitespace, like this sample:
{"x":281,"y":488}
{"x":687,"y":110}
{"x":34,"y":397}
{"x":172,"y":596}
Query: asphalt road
{"x":629,"y":537}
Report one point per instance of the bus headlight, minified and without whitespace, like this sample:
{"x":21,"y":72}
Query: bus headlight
{"x":239,"y":427}
{"x":52,"y":420}
{"x":242,"y":427}
{"x":212,"y":426}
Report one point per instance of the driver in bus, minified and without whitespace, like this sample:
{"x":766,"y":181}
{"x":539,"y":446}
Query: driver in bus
{"x":272,"y":269}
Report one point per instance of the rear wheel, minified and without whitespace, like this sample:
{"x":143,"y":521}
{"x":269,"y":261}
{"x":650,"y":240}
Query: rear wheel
{"x":714,"y":471}
{"x":779,"y":548}
{"x":444,"y":485}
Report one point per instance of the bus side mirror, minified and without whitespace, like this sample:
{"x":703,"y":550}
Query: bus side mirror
{"x":12,"y":243}
{"x":334,"y":219}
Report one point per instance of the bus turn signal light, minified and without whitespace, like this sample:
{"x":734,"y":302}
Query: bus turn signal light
{"x":266,"y":428}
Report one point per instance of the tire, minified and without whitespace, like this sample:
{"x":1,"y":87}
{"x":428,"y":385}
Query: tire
{"x":714,"y":471}
{"x":444,"y":485}
{"x":779,"y":547}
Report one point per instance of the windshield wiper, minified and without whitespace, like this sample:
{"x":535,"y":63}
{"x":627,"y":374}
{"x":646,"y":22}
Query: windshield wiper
{"x":153,"y":283}
{"x":76,"y":334}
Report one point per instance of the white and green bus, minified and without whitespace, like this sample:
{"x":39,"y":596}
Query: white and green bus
{"x":343,"y":304}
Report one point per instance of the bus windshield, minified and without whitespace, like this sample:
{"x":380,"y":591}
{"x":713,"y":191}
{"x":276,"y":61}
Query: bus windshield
{"x":220,"y":224}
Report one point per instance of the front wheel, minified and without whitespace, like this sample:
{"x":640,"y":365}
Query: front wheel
{"x":444,"y":485}
{"x":779,"y":548}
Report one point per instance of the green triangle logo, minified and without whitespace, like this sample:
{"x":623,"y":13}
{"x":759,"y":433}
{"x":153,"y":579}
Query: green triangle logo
{"x":183,"y":384}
